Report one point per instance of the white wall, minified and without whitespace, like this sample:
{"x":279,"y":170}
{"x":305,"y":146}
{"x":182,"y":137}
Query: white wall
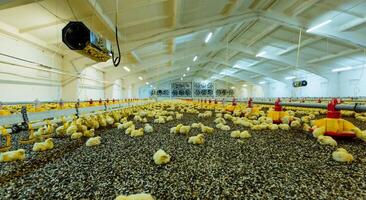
{"x":23,"y":81}
{"x":352,"y":83}
{"x":92,"y":85}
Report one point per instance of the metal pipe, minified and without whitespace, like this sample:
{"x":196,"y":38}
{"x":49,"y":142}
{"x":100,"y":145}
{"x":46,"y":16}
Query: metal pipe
{"x":36,"y":117}
{"x":352,"y":107}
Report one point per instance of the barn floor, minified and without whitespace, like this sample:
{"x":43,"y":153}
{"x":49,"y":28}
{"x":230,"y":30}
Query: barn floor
{"x":269,"y":165}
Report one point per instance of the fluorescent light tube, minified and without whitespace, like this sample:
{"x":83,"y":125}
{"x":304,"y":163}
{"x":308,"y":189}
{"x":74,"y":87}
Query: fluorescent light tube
{"x":208,"y":37}
{"x":290,"y":77}
{"x":126,"y":68}
{"x":260,"y":54}
{"x":341,"y":69}
{"x":318,"y":26}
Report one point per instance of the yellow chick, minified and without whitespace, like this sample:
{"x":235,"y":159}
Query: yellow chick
{"x":198,"y":139}
{"x":318,"y":131}
{"x":327,"y":140}
{"x":225,"y":128}
{"x":137,"y":118}
{"x":206,"y":129}
{"x":130,"y":129}
{"x":184,"y":130}
{"x":43,"y":146}
{"x":169,"y":118}
{"x":244,"y":135}
{"x":306,"y":127}
{"x":71,"y":129}
{"x":235,"y":134}
{"x":341,"y":155}
{"x":94,"y":141}
{"x":220,"y":121}
{"x":137,"y":133}
{"x":178,"y":116}
{"x":173,"y":130}
{"x":148,"y":128}
{"x":127,"y":124}
{"x":284,"y":127}
{"x":196,"y":125}
{"x":109,"y":120}
{"x":141,"y":196}
{"x":76,"y":135}
{"x":60,"y":131}
{"x":161,"y":157}
{"x":89,"y":133}
{"x":285,"y":119}
{"x":228,"y":116}
{"x":11,"y":156}
{"x":273,"y":127}
{"x":295,"y":124}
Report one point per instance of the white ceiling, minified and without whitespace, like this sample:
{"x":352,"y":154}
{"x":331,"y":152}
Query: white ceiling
{"x":159,"y":38}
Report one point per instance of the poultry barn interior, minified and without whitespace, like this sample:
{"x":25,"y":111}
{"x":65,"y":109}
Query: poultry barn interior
{"x":182,"y":99}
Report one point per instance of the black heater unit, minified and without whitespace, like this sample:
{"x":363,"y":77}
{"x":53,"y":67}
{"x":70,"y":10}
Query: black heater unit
{"x":78,"y":37}
{"x":302,"y":83}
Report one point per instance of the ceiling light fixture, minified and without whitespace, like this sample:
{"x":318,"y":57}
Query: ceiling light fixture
{"x":260,"y":54}
{"x":195,"y":58}
{"x":208,"y":37}
{"x":126,"y":68}
{"x":184,"y":75}
{"x":245,"y":85}
{"x":188,"y":68}
{"x":341,"y":69}
{"x":262,"y":82}
{"x":181,"y":78}
{"x":232,"y":87}
{"x":318,"y":26}
{"x":290,"y":77}
{"x":141,"y":78}
{"x":147,"y":83}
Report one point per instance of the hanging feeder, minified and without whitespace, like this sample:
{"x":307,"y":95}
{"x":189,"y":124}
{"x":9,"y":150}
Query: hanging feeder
{"x":277,"y":114}
{"x":334,"y":125}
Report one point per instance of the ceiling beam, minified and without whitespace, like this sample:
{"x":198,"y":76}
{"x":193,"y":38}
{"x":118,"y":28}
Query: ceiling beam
{"x":15,"y":3}
{"x":352,"y":38}
{"x":230,"y":7}
{"x":352,"y":24}
{"x":302,"y":44}
{"x":42,"y":26}
{"x":300,"y":6}
{"x":103,"y":17}
{"x":263,"y":34}
{"x":333,"y":56}
{"x":195,"y":26}
{"x":30,"y":39}
{"x":142,"y":21}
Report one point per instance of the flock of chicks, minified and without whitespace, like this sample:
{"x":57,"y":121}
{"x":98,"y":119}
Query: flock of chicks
{"x":127,"y":120}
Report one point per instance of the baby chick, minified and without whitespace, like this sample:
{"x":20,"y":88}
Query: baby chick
{"x":327,"y":140}
{"x":137,"y":133}
{"x":284,"y":127}
{"x":94,"y":141}
{"x":318,"y":131}
{"x":76,"y":135}
{"x":148,"y":128}
{"x":341,"y":155}
{"x":198,"y":139}
{"x":10,"y":156}
{"x":161,"y":157}
{"x":141,"y":196}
